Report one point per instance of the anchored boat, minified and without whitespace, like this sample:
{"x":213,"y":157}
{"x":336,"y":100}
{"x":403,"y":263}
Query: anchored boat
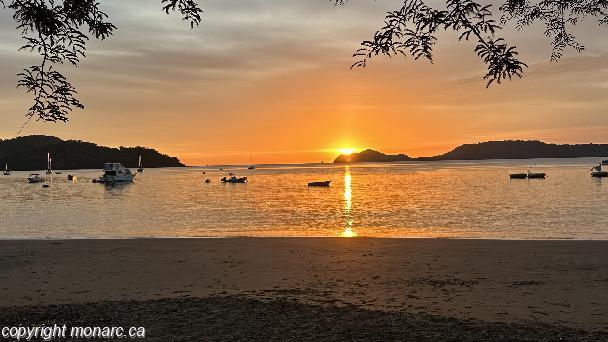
{"x":537,"y":175}
{"x":49,"y":168}
{"x":518,"y":175}
{"x":6,"y":171}
{"x":597,"y":171}
{"x":115,"y":173}
{"x":35,"y":178}
{"x":233,"y":179}
{"x":139,"y":167}
{"x":319,"y":184}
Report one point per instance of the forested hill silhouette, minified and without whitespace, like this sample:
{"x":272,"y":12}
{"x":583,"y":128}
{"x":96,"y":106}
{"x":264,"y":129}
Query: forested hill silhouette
{"x":29,"y":153}
{"x":509,"y":149}
{"x":370,"y":156}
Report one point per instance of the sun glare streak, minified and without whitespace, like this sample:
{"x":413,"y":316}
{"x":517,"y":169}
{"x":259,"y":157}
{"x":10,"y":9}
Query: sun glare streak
{"x":348,"y":231}
{"x":348,"y":205}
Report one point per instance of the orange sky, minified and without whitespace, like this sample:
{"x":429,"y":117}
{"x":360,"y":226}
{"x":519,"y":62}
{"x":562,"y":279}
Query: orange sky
{"x":272,"y":81}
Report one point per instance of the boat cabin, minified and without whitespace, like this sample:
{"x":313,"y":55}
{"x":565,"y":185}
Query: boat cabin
{"x":112,"y":169}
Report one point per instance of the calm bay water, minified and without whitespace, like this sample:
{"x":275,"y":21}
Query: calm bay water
{"x":435,"y":199}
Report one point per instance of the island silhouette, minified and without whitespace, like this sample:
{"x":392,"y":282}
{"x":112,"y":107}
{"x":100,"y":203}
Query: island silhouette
{"x":506,"y":149}
{"x":30,"y":153}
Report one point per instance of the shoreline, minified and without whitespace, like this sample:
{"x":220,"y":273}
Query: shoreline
{"x":25,"y":239}
{"x":555,"y":282}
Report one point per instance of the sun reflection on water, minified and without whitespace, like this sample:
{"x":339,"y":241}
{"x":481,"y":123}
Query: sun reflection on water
{"x":347,"y":212}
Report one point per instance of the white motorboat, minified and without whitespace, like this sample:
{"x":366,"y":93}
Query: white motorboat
{"x":116,"y":173}
{"x":35,"y":178}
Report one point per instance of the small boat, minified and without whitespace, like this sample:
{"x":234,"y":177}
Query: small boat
{"x":518,"y":175}
{"x":49,"y":168}
{"x":6,"y":171}
{"x":252,"y":167}
{"x":139,"y":167}
{"x":233,"y":179}
{"x":46,"y":186}
{"x":536,"y":175}
{"x":605,"y":162}
{"x":35,"y":178}
{"x":58,"y":172}
{"x":115,"y":173}
{"x":72,"y":177}
{"x":319,"y":184}
{"x":207,"y":180}
{"x":597,"y":171}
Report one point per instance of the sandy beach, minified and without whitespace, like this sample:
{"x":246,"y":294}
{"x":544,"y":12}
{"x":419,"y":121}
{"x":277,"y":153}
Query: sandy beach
{"x":313,"y":288}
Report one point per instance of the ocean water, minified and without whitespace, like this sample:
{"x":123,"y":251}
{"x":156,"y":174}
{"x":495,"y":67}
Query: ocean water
{"x":461,"y":199}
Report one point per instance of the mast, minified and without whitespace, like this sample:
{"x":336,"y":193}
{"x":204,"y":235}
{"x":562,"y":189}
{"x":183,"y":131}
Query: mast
{"x":139,"y":163}
{"x":48,"y":163}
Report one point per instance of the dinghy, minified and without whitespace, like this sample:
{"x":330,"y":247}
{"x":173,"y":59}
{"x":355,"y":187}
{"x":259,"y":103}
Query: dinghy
{"x":536,"y":175}
{"x":518,"y":175}
{"x":319,"y":184}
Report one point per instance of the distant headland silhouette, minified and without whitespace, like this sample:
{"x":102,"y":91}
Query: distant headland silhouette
{"x":30,"y":153}
{"x":507,"y":149}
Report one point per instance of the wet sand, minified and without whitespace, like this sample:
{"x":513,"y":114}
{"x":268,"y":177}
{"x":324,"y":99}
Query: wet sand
{"x":460,"y":289}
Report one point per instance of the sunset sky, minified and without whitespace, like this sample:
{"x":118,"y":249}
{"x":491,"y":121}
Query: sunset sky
{"x":271,"y":80}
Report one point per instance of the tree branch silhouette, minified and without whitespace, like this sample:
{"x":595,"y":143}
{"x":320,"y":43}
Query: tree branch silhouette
{"x":412,"y":30}
{"x":58,"y":31}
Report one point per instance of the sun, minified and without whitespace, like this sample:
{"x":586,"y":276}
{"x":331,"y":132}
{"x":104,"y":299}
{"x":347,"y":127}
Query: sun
{"x":346,"y":151}
{"x":348,"y":233}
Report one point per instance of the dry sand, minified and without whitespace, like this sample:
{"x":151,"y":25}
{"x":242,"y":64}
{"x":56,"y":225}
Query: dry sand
{"x":313,"y":288}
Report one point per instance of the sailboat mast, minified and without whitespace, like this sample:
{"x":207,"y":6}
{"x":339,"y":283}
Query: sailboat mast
{"x":139,"y":163}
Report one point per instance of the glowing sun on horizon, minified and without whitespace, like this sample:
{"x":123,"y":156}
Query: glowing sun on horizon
{"x":346,"y":151}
